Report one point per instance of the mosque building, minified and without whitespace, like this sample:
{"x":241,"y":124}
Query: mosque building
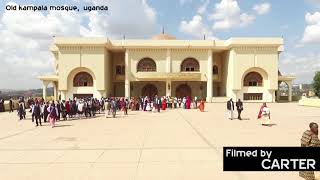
{"x":215,"y":70}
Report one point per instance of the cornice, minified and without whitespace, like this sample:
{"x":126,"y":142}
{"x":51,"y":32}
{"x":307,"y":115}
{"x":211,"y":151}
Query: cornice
{"x":254,"y":48}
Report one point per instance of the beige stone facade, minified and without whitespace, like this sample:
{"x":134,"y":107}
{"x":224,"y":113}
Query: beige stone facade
{"x":245,"y":68}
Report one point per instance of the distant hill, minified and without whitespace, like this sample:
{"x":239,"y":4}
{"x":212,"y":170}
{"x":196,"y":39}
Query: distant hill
{"x":9,"y":93}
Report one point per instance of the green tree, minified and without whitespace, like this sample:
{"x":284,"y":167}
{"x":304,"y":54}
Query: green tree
{"x":316,"y":83}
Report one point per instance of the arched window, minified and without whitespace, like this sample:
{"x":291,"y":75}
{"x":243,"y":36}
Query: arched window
{"x":82,"y":79}
{"x":215,"y":70}
{"x":253,"y":79}
{"x":190,"y":64}
{"x":146,"y":65}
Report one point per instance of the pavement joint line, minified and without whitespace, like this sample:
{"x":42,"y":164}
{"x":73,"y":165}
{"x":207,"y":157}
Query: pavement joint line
{"x":55,"y":160}
{"x":198,"y":132}
{"x":92,"y":164}
{"x":140,"y":154}
{"x":181,"y":162}
{"x":216,"y":150}
{"x":17,"y":134}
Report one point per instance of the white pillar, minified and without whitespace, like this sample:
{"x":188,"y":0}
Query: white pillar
{"x":278,"y":93}
{"x":55,"y":97}
{"x":44,"y":89}
{"x":168,"y":60}
{"x":127,"y":75}
{"x":103,"y":93}
{"x":290,"y":91}
{"x":273,"y":95}
{"x":59,"y":95}
{"x":209,"y":76}
{"x":63,"y":95}
{"x":168,"y":87}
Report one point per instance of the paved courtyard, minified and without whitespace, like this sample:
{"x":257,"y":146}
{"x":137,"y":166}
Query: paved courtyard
{"x":175,"y":144}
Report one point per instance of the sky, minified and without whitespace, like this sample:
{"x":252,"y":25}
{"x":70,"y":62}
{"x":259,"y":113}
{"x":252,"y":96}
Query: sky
{"x":25,"y":37}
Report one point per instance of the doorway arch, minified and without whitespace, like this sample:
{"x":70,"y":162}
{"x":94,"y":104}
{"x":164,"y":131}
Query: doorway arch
{"x":149,"y":90}
{"x":183,"y":90}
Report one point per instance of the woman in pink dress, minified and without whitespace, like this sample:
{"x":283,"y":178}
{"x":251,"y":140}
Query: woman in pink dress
{"x":188,"y":102}
{"x":52,"y":114}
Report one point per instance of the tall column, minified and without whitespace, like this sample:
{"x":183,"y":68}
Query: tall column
{"x":103,"y":94}
{"x":127,"y":75}
{"x":63,"y":95}
{"x":59,"y":96}
{"x":168,"y":87}
{"x":168,"y":60}
{"x":55,"y":97}
{"x":290,"y":91}
{"x":209,"y":76}
{"x":278,"y":93}
{"x":44,"y":89}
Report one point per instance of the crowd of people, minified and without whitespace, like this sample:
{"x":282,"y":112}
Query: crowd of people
{"x":53,"y":111}
{"x":157,"y":103}
{"x":88,"y":107}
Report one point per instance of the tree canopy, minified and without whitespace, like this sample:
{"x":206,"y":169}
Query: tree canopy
{"x":316,"y":83}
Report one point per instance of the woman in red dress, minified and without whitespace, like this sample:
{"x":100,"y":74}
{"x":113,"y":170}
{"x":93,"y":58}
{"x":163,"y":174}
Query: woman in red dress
{"x":188,"y":102}
{"x":164,"y":104}
{"x":68,"y":110}
{"x":201,"y":106}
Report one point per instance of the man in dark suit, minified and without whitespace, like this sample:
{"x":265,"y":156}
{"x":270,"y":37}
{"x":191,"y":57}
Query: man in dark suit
{"x":45,"y":112}
{"x":2,"y":105}
{"x":158,"y":103}
{"x":239,"y":105}
{"x":37,"y":113}
{"x":59,"y":110}
{"x":230,"y":108}
{"x":11,"y":105}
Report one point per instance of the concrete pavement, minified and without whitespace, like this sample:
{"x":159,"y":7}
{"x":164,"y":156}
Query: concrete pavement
{"x":174,"y":144}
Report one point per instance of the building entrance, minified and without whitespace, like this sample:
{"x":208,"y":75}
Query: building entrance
{"x":149,"y":90}
{"x":183,"y":90}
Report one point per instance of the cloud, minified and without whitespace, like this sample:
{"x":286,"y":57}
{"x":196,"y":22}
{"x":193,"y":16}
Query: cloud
{"x":262,"y":8}
{"x":284,"y":26}
{"x":25,"y":40}
{"x":227,"y":14}
{"x":203,"y":8}
{"x":312,"y":18}
{"x":183,"y":2}
{"x":139,"y":20}
{"x":314,"y":2}
{"x":302,"y":66}
{"x":312,"y":30}
{"x":196,"y":28}
{"x":26,"y":36}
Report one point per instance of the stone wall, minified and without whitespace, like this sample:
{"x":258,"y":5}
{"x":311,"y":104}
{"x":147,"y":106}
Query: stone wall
{"x":314,"y":102}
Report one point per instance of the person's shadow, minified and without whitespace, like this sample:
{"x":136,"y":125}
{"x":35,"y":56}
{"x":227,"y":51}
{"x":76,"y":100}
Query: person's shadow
{"x":244,"y":119}
{"x":62,"y":125}
{"x":269,"y":125}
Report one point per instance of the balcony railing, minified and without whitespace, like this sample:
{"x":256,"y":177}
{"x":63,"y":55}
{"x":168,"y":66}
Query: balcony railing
{"x":173,"y":76}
